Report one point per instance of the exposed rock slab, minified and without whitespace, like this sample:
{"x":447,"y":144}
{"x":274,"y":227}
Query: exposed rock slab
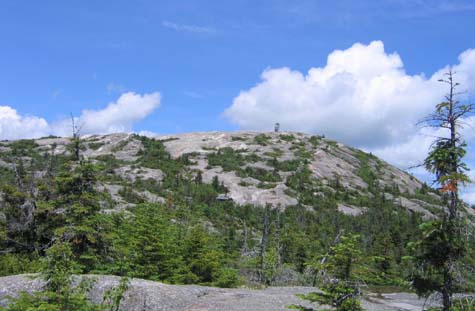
{"x":348,"y":209}
{"x":415,"y":206}
{"x":145,"y":295}
{"x":133,"y":173}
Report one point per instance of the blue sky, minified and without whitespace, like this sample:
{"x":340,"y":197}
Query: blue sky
{"x":62,"y":57}
{"x":59,"y":56}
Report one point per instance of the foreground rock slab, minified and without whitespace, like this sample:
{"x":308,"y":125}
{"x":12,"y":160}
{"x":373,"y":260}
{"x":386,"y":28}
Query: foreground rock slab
{"x":154,"y":296}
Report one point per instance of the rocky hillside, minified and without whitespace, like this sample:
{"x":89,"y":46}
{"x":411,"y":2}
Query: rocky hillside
{"x":255,"y":168}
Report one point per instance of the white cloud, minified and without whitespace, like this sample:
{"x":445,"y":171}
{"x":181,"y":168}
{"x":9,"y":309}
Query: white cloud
{"x":408,"y":154}
{"x":468,"y":130}
{"x":468,"y":193}
{"x":118,"y":116}
{"x":15,"y":126}
{"x":188,"y":28}
{"x":362,"y":97}
{"x":469,"y":196}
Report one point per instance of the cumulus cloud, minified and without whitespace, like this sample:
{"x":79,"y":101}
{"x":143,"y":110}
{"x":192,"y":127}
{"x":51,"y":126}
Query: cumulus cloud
{"x":118,"y":116}
{"x":362,"y":97}
{"x":15,"y":126}
{"x":408,"y":154}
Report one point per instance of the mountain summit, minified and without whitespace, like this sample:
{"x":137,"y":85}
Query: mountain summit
{"x":280,"y":169}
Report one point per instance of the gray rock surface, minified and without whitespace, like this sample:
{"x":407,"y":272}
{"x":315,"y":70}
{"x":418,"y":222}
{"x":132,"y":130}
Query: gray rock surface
{"x":133,"y":173}
{"x":145,"y":295}
{"x":328,"y":165}
{"x":350,"y":209}
{"x":415,"y":206}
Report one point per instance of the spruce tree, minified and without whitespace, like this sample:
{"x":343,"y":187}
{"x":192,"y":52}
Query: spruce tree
{"x":442,"y":246}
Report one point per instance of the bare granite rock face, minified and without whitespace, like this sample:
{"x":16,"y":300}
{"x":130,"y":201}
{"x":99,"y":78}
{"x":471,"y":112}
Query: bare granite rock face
{"x":133,"y":173}
{"x":204,"y":142}
{"x":415,"y":206}
{"x":350,"y":209}
{"x":145,"y":295}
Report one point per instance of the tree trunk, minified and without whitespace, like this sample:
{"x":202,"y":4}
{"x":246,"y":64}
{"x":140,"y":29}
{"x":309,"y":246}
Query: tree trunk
{"x":262,"y":251}
{"x":446,"y":291}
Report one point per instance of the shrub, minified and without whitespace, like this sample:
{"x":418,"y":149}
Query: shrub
{"x":227,"y":278}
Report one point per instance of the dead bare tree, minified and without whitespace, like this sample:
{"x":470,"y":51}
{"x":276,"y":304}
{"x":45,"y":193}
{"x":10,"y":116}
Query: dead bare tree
{"x":76,"y":139}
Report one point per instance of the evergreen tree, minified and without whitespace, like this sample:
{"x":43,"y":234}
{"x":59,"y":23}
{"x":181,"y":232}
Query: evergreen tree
{"x":339,"y":272}
{"x":442,"y":247}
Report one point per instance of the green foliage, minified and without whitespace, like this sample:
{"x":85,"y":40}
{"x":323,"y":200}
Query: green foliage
{"x":154,"y":155}
{"x":460,"y":304}
{"x":95,"y":145}
{"x":227,"y":278}
{"x":344,"y":258}
{"x":59,"y":267}
{"x":262,"y":139}
{"x":431,"y":254}
{"x":113,"y":296}
{"x":80,"y":223}
{"x":18,"y":264}
{"x":365,"y":171}
{"x":271,"y":265}
{"x":129,"y":195}
{"x":464,"y":304}
{"x":315,"y":140}
{"x":340,"y":290}
{"x":202,"y":256}
{"x":338,"y":295}
{"x":275,"y":153}
{"x":230,"y":159}
{"x":23,"y":148}
{"x":303,"y":153}
{"x":287,"y":137}
{"x":148,"y":245}
{"x":260,"y":174}
{"x":59,"y":293}
{"x":227,"y":158}
{"x":150,"y":240}
{"x":192,"y":237}
{"x":286,"y":166}
{"x":145,"y":246}
{"x":445,"y":161}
